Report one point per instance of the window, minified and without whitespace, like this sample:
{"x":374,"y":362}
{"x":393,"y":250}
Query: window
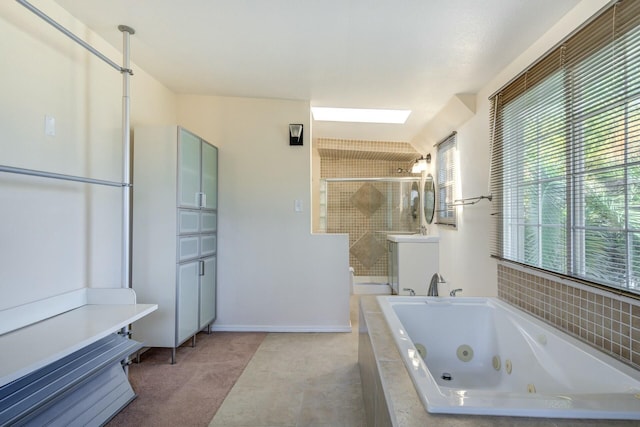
{"x":447,"y":181}
{"x":566,"y":156}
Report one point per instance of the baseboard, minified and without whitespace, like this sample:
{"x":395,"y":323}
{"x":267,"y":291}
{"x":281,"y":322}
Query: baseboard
{"x":279,"y":328}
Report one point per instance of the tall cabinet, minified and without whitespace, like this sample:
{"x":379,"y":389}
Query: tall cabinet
{"x":175,"y":205}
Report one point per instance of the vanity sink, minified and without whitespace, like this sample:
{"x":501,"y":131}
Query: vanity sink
{"x":413,"y":238}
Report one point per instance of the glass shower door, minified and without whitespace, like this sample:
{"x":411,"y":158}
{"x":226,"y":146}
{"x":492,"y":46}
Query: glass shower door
{"x":368,"y":209}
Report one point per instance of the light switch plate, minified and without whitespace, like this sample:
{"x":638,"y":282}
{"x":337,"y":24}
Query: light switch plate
{"x":49,"y":125}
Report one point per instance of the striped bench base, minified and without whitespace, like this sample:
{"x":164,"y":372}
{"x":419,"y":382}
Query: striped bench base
{"x":87,"y":387}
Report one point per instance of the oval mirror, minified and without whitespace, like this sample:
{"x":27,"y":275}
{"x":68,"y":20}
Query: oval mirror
{"x":429,"y":199}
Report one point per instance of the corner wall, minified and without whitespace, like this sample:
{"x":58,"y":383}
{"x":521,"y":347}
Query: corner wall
{"x":273,"y":274}
{"x":60,"y":236}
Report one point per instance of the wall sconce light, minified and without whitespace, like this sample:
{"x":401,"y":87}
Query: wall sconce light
{"x":295,"y":134}
{"x":420,"y":165}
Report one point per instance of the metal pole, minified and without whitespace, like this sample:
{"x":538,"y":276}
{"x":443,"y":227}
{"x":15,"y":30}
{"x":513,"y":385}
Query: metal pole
{"x":69,"y":34}
{"x":126,"y":159}
{"x":43,"y":174}
{"x":126,"y":170}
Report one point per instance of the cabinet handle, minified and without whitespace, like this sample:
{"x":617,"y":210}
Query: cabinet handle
{"x":202,"y":200}
{"x":201,"y":268}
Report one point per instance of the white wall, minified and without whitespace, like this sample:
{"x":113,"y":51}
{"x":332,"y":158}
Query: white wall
{"x":57,"y":236}
{"x":273,"y":274}
{"x":464,"y":253}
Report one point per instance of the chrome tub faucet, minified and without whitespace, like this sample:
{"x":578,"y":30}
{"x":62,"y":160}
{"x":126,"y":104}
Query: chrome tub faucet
{"x":433,"y":286}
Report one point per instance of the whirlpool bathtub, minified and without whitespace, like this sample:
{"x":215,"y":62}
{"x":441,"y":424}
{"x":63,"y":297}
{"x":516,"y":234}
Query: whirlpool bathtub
{"x":482,"y":356}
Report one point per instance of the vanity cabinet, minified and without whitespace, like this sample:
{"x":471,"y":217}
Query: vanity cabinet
{"x":175,"y":206}
{"x":392,"y":266}
{"x":413,"y":259}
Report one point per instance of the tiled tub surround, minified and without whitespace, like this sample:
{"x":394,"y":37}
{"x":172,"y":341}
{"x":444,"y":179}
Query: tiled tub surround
{"x":606,"y":321}
{"x":390,"y":398}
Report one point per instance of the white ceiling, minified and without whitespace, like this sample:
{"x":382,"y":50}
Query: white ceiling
{"x":407,"y":54}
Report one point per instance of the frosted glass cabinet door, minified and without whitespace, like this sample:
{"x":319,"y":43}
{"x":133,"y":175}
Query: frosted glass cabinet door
{"x":188,"y":221}
{"x":209,"y":176}
{"x":208,"y":292}
{"x":188,"y":169}
{"x":188,"y":278}
{"x":188,"y":247}
{"x":208,"y":245}
{"x":208,"y":221}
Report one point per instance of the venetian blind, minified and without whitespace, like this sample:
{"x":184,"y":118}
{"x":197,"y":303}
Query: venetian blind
{"x":565,"y":168}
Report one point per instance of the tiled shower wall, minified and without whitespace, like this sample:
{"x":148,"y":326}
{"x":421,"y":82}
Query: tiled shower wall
{"x":368,"y":248}
{"x":368,"y":211}
{"x":603,"y":319}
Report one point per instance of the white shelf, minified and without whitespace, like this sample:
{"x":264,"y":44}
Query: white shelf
{"x":34,"y":346}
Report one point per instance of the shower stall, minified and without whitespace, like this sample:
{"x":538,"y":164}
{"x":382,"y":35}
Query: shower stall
{"x":368,"y":209}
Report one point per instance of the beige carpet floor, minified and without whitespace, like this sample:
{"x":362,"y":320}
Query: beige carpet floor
{"x":190,"y":392}
{"x":299,"y":380}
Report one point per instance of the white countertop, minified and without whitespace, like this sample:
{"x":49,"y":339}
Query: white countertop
{"x":413,"y":238}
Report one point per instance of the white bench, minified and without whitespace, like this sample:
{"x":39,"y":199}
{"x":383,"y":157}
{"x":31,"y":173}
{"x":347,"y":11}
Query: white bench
{"x":60,"y":358}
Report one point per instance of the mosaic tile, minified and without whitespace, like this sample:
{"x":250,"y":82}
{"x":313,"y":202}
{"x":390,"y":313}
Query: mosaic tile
{"x":367,"y":199}
{"x":368,"y":250}
{"x":605,"y":322}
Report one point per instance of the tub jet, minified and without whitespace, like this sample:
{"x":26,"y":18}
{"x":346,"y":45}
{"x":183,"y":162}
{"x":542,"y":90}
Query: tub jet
{"x":422,"y":350}
{"x":465,"y":353}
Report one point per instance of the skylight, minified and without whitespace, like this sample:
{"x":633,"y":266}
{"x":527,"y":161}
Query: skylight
{"x":360,"y":115}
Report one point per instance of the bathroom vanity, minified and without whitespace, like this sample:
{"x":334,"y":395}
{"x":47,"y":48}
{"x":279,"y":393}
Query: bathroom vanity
{"x":413,"y":259}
